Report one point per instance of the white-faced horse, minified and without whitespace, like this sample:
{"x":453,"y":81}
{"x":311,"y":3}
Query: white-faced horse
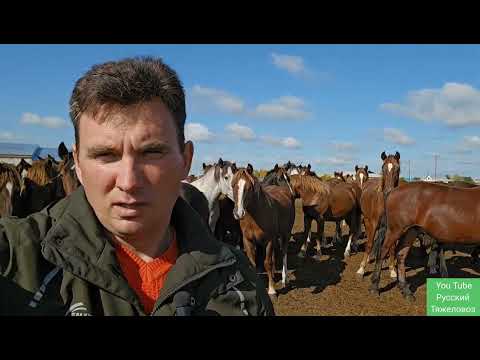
{"x":215,"y":182}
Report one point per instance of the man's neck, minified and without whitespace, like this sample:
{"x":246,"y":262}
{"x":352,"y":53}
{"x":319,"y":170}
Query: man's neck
{"x":147,"y":249}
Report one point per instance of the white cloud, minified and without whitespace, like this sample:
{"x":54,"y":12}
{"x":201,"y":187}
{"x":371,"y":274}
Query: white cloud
{"x":293,"y":64}
{"x":198,"y":132}
{"x":335,"y":160}
{"x":472,"y":141}
{"x":454,"y":104}
{"x":45,"y":121}
{"x":397,"y":136}
{"x":7,"y":136}
{"x":288,"y":142}
{"x":220,"y":99}
{"x":242,"y":132}
{"x":285,"y":107}
{"x":343,"y":146}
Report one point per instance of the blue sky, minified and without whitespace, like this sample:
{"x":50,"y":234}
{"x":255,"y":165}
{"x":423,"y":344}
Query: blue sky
{"x":333,"y":106}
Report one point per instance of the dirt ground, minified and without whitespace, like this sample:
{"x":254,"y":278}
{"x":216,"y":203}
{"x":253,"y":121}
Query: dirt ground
{"x":331,"y":287}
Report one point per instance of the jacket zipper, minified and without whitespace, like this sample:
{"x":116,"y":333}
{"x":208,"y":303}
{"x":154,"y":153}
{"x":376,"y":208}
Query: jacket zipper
{"x":193,"y":278}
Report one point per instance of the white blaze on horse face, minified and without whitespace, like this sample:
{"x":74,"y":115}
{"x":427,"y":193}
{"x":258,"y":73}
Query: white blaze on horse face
{"x":361,"y":179}
{"x":294,"y":172}
{"x":24,"y":173}
{"x":241,"y":189}
{"x":390,"y":166}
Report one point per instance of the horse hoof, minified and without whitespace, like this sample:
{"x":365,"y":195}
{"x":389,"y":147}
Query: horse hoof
{"x":410,"y":298}
{"x":374,"y":291}
{"x":317,"y":257}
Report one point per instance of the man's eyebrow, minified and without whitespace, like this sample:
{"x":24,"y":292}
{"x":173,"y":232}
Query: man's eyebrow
{"x":100,"y":150}
{"x":155,"y":145}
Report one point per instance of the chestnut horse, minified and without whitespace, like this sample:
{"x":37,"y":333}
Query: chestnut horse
{"x":10,"y":190}
{"x":450,"y":215}
{"x":372,"y":204}
{"x":325,"y":202}
{"x":266,"y":215}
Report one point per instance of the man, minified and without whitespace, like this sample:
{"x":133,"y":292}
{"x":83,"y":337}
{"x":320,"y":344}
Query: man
{"x":125,"y":243}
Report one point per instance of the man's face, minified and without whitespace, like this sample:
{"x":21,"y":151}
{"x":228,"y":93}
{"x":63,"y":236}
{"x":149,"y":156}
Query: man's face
{"x":131,"y":167}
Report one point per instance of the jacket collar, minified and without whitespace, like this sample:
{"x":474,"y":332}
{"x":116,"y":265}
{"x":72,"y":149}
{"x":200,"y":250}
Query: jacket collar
{"x":78,"y":243}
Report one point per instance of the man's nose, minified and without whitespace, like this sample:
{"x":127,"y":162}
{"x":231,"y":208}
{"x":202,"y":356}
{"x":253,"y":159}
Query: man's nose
{"x":129,"y":175}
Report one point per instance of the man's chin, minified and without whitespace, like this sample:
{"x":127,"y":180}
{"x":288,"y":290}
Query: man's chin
{"x":128,"y":227}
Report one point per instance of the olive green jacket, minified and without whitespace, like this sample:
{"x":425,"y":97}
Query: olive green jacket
{"x":60,"y":262}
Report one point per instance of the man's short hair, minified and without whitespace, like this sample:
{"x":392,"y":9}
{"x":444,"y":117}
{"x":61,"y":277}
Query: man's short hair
{"x":130,"y":81}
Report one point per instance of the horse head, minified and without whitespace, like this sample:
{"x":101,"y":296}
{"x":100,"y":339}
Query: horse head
{"x":244,"y":185}
{"x":361,"y":174}
{"x":390,"y":171}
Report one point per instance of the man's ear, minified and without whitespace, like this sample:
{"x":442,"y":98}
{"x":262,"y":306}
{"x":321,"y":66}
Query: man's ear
{"x":78,"y":170}
{"x":187,"y":158}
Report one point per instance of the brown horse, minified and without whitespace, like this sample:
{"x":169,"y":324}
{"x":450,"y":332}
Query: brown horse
{"x":450,"y":215}
{"x":66,"y":170}
{"x":22,"y":167}
{"x":266,"y":215}
{"x":325,"y":202}
{"x":361,"y":175}
{"x":372,"y":204}
{"x":10,"y":190}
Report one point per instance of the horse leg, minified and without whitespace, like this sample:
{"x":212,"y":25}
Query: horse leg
{"x":284,"y":247}
{"x":376,"y":276}
{"x":432,"y":258}
{"x":404,"y":245}
{"x":443,"y":264}
{"x":474,"y":255}
{"x":338,"y":233}
{"x":368,"y":247}
{"x":214,"y":215}
{"x":321,"y":232}
{"x":249,"y":247}
{"x":269,"y":268}
{"x":391,"y":264}
{"x":307,"y":221}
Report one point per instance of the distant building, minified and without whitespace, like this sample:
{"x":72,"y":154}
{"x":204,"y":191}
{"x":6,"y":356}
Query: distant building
{"x":13,"y":153}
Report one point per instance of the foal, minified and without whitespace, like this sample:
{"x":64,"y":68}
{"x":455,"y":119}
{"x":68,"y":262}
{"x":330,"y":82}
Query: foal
{"x":266,"y":215}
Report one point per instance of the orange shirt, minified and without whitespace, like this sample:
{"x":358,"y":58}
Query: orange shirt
{"x":146,"y":278}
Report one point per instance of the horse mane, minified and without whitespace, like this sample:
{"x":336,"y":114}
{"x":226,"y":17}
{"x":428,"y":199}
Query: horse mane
{"x":8,"y":172}
{"x":38,"y":173}
{"x":309,"y":183}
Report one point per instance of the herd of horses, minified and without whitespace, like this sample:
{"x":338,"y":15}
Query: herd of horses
{"x":258,"y":214}
{"x":28,"y":188}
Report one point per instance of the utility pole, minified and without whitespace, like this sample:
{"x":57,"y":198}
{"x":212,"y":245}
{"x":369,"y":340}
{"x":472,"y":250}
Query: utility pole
{"x":409,"y":178}
{"x":435,"y":156}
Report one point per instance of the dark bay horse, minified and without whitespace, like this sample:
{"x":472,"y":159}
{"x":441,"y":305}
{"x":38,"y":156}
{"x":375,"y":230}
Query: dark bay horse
{"x":266,"y":215}
{"x":372,"y":203}
{"x":450,"y":215}
{"x":325,"y":202}
{"x":22,"y":167}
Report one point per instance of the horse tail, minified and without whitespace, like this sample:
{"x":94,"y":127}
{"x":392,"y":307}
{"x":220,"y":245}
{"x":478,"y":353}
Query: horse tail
{"x":381,"y":231}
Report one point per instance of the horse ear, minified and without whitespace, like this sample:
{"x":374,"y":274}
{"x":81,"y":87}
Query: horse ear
{"x":356,"y":168}
{"x":250,"y":169}
{"x":62,"y":151}
{"x":276,"y":167}
{"x":397,"y":155}
{"x":204,"y":166}
{"x":220,"y":162}
{"x":383,"y":156}
{"x":366,"y":168}
{"x":309,"y":166}
{"x":234,"y":168}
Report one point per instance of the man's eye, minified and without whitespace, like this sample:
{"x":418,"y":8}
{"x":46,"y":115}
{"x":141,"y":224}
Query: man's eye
{"x":106,"y":157}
